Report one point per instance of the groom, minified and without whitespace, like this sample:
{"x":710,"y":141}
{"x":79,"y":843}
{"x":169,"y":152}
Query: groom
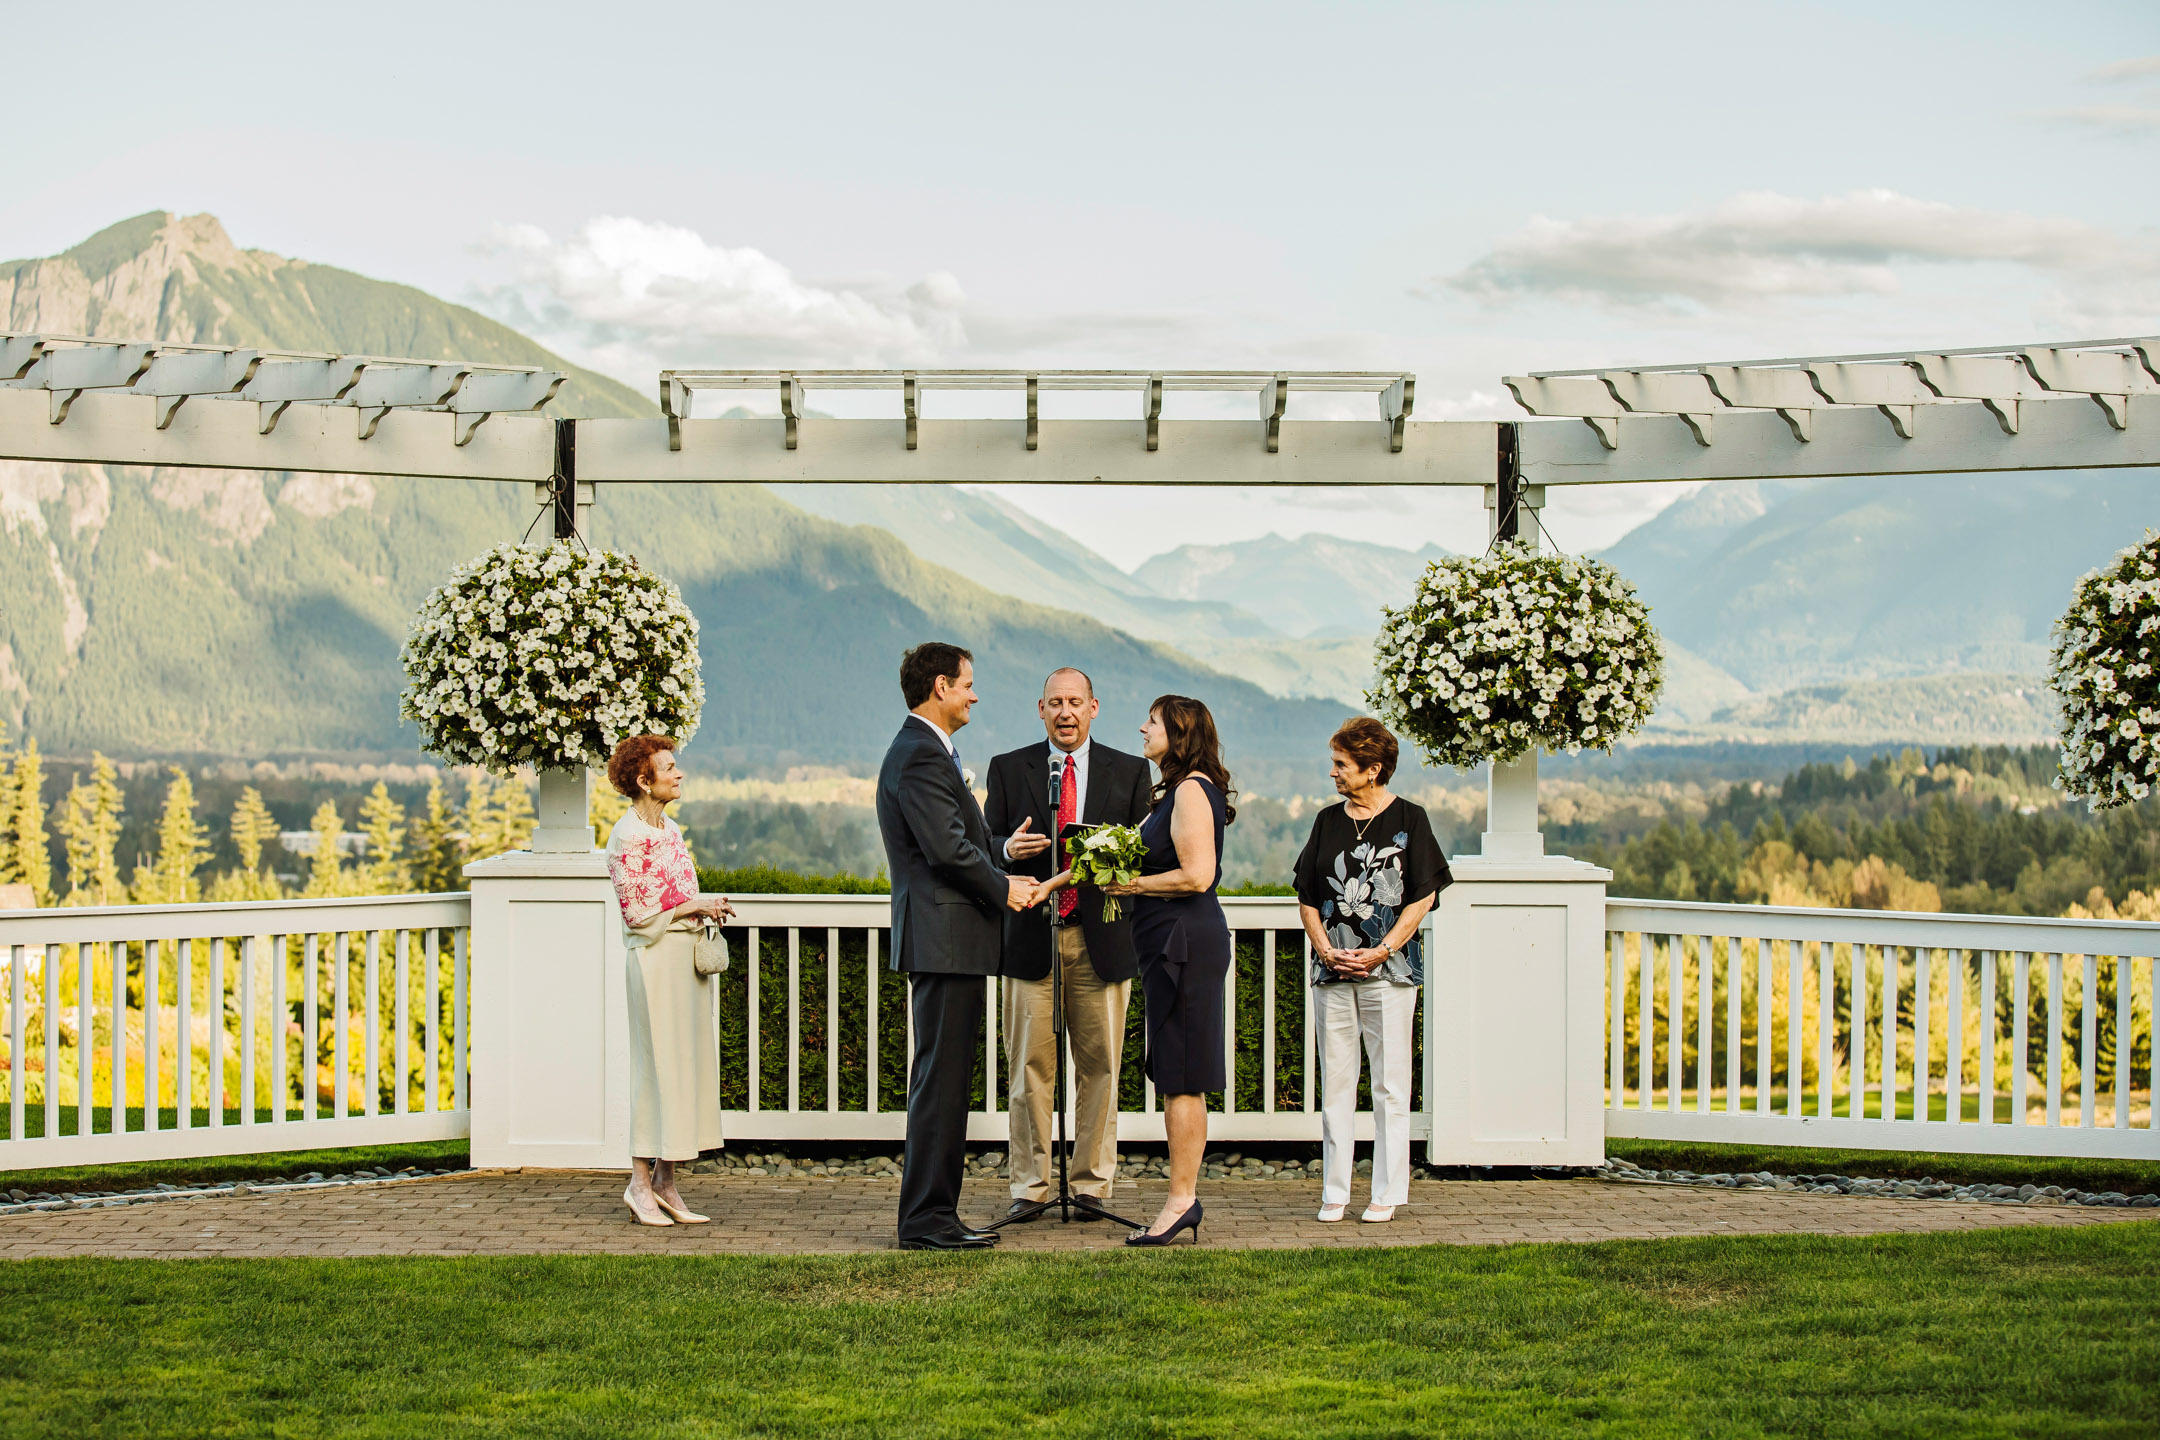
{"x":946,"y":896}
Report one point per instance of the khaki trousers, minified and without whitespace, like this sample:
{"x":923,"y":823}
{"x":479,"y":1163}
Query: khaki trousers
{"x":1095,"y":1036}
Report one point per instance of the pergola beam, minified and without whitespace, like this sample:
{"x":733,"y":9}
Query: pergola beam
{"x":116,"y":428}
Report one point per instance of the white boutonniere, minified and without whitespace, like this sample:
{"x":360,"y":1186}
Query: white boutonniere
{"x":967,"y":778}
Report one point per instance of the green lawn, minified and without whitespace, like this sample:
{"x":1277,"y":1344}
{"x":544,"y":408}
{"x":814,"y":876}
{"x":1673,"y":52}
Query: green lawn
{"x":2012,"y":1332}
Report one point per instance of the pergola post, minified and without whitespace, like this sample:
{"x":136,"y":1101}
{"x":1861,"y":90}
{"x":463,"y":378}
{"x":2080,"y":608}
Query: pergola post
{"x":1515,"y":1007}
{"x":561,"y":826}
{"x":551,"y":1021}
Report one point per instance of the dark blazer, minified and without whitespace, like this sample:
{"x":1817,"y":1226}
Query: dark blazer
{"x":1119,"y":792}
{"x":947,"y":891}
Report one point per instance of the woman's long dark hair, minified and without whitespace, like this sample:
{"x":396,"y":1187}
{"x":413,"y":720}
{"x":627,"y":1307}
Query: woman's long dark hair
{"x":1194,"y":749}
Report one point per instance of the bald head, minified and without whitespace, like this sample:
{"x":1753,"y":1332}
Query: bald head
{"x":1067,"y":675}
{"x":1068,"y":708}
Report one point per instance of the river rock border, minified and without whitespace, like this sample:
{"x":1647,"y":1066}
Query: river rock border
{"x":1625,"y":1172}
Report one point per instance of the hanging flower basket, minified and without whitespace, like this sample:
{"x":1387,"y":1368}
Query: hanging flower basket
{"x":2102,"y":670}
{"x":1500,"y":653}
{"x":547,"y":655}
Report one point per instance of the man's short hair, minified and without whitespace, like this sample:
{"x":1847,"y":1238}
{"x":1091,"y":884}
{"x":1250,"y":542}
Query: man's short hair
{"x":923,"y":666}
{"x":1085,"y":678}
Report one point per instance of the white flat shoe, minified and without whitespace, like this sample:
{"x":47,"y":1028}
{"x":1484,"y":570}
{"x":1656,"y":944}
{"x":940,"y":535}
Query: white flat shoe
{"x":1331,"y":1213}
{"x":680,"y":1214}
{"x":1378,"y":1214}
{"x":655,"y":1218}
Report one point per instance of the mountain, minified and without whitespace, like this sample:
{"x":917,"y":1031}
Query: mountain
{"x":1871,"y":578}
{"x":168,"y":277}
{"x":1961,"y":709}
{"x":1313,"y":585}
{"x":1002,"y":548}
{"x":238,"y":613}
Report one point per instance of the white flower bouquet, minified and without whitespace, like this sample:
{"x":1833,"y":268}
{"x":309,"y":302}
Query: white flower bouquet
{"x":1500,"y":653}
{"x":547,"y":655}
{"x":1106,"y":855}
{"x":2102,"y":670}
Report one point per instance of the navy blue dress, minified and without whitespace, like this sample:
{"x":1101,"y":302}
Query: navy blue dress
{"x":1184,"y":946}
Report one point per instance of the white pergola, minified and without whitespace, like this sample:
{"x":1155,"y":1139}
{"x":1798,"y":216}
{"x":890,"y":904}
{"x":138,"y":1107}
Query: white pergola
{"x":1514,"y":1068}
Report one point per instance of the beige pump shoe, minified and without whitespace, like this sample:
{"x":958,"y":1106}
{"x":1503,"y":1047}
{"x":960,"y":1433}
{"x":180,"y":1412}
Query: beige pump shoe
{"x":679,"y":1214}
{"x":653,"y":1217}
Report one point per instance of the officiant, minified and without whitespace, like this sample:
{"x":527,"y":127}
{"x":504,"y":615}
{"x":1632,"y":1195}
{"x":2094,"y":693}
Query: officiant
{"x":1035,"y":792}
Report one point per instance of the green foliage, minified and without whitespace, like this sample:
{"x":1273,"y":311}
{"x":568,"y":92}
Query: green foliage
{"x":2033,"y":1331}
{"x":1969,"y":822}
{"x":90,"y":829}
{"x":182,"y":847}
{"x":382,"y":822}
{"x":438,"y":858}
{"x":326,"y":866}
{"x":766,"y":880}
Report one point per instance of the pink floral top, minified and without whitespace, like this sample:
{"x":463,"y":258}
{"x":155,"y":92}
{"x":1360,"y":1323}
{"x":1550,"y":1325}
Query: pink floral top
{"x":652,"y":871}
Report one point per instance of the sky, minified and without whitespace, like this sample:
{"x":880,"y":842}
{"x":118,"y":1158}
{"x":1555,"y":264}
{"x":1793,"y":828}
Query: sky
{"x":1459,"y":191}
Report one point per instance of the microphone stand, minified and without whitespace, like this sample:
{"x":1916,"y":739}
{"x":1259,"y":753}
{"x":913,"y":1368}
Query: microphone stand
{"x":1063,"y":1202}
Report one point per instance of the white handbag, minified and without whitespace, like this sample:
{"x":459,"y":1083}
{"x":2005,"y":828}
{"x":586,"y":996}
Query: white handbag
{"x":708,"y":953}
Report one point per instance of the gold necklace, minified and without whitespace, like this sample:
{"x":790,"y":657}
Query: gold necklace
{"x":1360,"y":829}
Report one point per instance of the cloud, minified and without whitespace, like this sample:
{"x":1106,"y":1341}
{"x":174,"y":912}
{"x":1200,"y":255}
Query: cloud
{"x":1759,"y":247}
{"x":2129,"y":120}
{"x":626,"y":295}
{"x":2136,"y":69}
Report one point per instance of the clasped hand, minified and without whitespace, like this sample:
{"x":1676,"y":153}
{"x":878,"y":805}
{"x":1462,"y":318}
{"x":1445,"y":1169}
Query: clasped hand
{"x":1355,"y":963}
{"x":714,"y":907}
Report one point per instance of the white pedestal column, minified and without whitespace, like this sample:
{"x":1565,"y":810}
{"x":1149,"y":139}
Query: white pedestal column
{"x":1511,"y":818}
{"x":550,"y":1015}
{"x":561,"y":825}
{"x":1515,"y":1013}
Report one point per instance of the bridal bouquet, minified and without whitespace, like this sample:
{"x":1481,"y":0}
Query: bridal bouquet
{"x":2102,"y":668}
{"x":1107,"y":855}
{"x":545,"y":655}
{"x":1501,"y":653}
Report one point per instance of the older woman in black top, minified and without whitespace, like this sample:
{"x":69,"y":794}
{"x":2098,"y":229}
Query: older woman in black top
{"x":1368,"y":875}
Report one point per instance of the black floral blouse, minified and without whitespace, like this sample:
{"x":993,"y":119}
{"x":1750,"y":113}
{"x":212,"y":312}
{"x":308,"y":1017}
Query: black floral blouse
{"x":1361,"y":883}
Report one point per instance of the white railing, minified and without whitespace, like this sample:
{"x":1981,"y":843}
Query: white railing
{"x":146,"y":1032}
{"x":239,"y":1029}
{"x":1864,"y":1030}
{"x":848,"y":1081}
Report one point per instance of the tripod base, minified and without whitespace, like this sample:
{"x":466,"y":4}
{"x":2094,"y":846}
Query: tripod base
{"x":1065,"y":1202}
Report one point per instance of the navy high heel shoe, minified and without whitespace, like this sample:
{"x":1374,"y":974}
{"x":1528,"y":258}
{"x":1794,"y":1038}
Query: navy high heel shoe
{"x":1190,"y":1220}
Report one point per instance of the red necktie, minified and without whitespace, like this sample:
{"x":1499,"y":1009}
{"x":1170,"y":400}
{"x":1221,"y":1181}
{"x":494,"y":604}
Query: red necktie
{"x":1068,"y":811}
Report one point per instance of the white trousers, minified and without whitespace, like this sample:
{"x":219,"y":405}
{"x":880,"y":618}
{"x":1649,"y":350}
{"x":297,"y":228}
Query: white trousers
{"x":1379,"y":1014}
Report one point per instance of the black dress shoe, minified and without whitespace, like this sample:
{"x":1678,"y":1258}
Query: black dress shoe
{"x":1086,"y":1207}
{"x":988,"y":1237}
{"x":953,"y":1239}
{"x":1024,"y":1212}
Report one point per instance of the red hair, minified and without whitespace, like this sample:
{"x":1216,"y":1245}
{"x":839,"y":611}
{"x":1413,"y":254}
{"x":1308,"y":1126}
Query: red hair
{"x":633,"y":761}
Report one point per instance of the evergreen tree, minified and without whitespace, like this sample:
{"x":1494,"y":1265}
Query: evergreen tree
{"x":104,"y":833}
{"x":251,"y":827}
{"x":182,"y":847}
{"x":438,"y":856}
{"x":10,"y":865}
{"x":24,"y":833}
{"x":483,"y":821}
{"x":326,"y":874}
{"x":382,"y":821}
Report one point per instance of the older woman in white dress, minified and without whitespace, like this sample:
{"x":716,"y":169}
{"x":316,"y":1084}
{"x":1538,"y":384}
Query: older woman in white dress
{"x":674,"y":1051}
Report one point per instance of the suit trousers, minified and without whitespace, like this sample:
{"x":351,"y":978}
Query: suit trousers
{"x":948,"y":1011}
{"x":1380,"y":1014}
{"x":1095,"y":1036}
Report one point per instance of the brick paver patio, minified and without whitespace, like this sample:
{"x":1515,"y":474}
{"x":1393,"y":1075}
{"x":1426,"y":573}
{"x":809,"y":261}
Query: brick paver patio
{"x":574,"y":1212}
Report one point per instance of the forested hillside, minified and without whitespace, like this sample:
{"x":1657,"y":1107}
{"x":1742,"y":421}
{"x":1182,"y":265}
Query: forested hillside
{"x":210,"y":613}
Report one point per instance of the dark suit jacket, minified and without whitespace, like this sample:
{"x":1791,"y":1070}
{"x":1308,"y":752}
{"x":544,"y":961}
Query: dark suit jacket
{"x":1119,"y":792}
{"x":947,"y":891}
